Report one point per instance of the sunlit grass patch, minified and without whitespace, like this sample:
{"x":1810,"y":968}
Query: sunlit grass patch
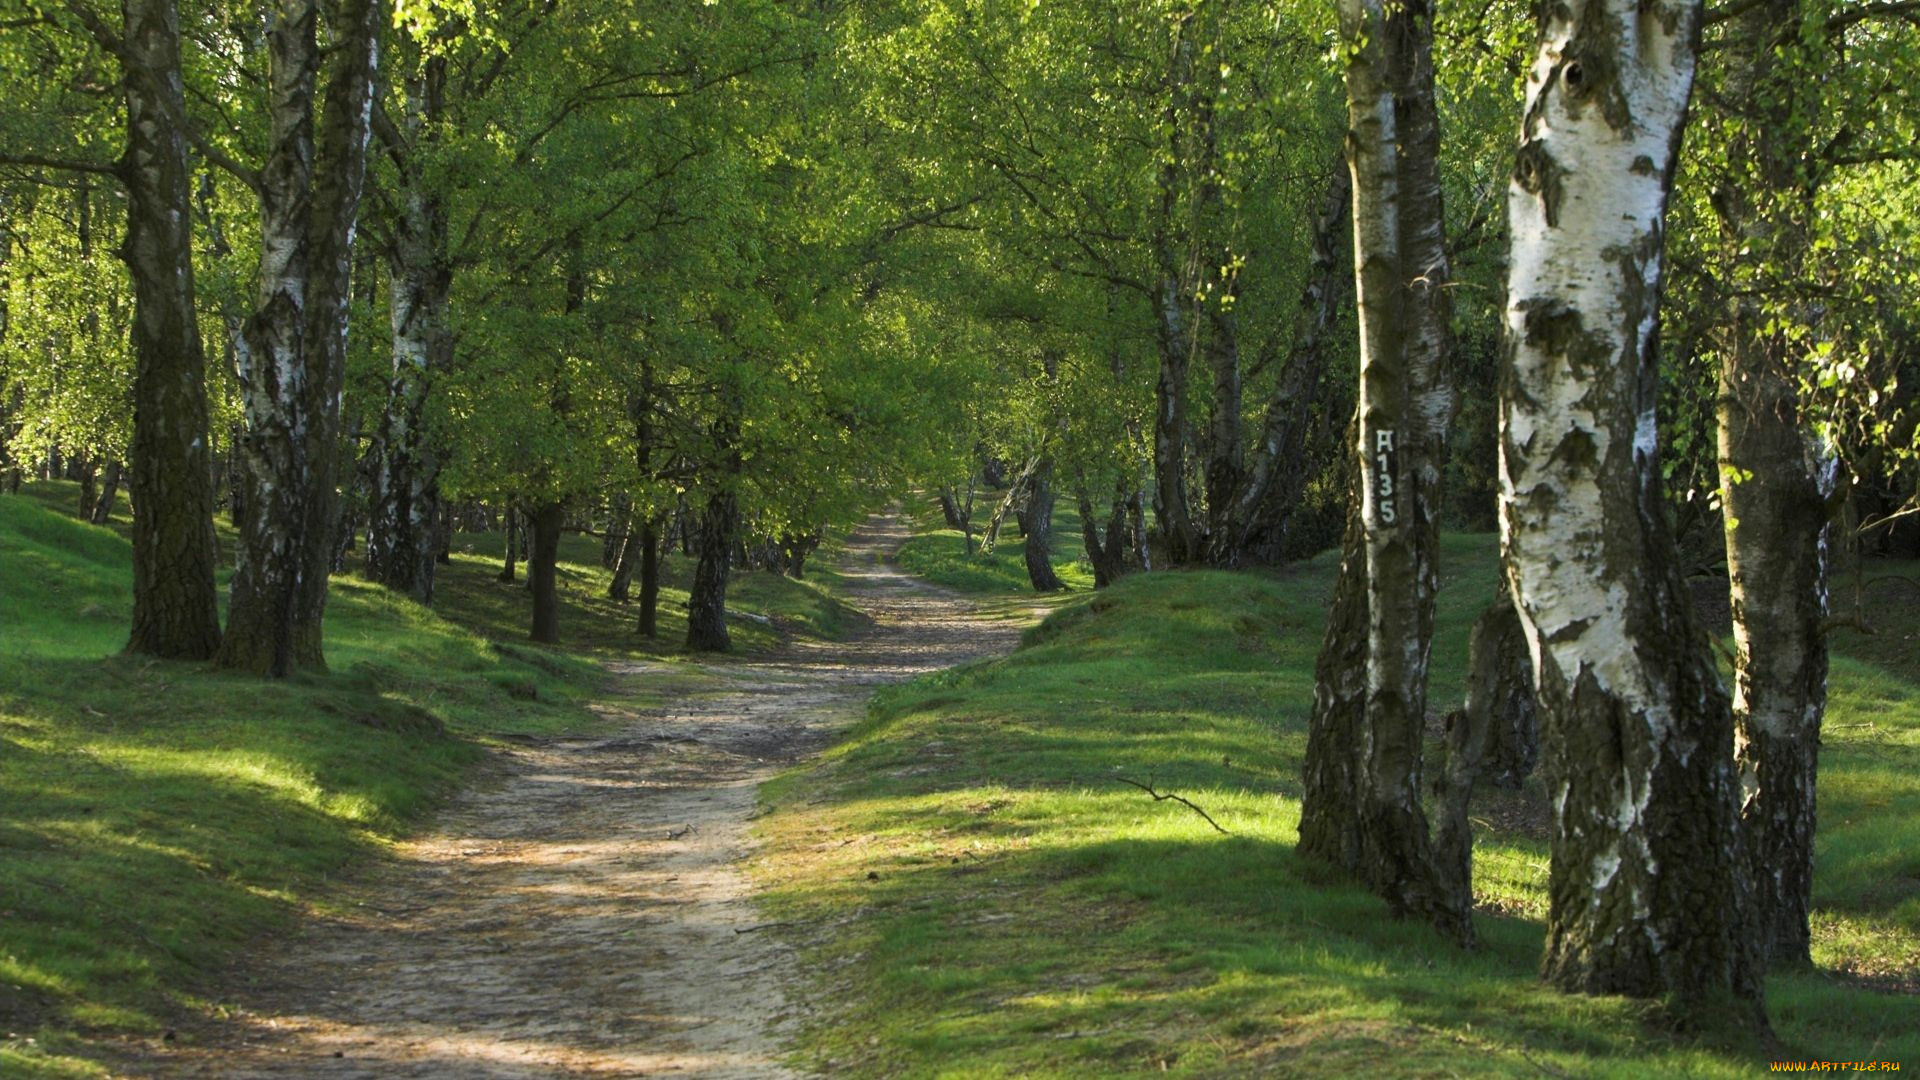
{"x":941,"y":556}
{"x":986,"y":898}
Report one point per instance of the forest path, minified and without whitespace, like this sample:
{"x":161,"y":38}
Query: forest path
{"x":583,"y":910}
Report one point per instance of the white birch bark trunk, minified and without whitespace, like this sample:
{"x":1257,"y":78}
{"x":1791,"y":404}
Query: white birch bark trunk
{"x":406,"y":473}
{"x":1362,"y":806}
{"x":1646,"y":893}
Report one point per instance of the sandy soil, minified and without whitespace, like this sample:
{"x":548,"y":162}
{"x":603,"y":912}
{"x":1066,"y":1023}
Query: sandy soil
{"x":582,"y":911}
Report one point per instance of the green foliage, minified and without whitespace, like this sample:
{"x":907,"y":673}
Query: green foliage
{"x":998,"y":898}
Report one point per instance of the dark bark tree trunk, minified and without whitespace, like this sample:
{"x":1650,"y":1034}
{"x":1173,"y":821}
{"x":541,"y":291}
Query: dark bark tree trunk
{"x":1776,"y":475}
{"x":707,"y":598}
{"x":89,"y":475}
{"x":1279,"y":468}
{"x":1500,"y":699}
{"x":650,"y":578}
{"x":1648,"y":893}
{"x":543,"y":556}
{"x":1491,"y":736}
{"x":294,"y":362}
{"x":795,"y":550}
{"x":719,"y":531}
{"x":1039,"y":530}
{"x":950,"y":509}
{"x":1107,"y":553}
{"x":1362,"y":807}
{"x":109,"y":487}
{"x":405,"y":500}
{"x":174,"y":609}
{"x":510,"y":526}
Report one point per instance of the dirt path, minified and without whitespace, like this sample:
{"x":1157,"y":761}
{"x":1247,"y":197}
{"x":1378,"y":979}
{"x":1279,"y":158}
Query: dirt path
{"x":584,"y":912}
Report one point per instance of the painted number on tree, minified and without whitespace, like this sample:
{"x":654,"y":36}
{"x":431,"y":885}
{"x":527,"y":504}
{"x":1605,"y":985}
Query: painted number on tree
{"x":1385,"y":460}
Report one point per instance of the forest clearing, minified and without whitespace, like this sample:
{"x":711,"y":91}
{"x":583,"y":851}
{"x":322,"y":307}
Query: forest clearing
{"x":958,"y":538}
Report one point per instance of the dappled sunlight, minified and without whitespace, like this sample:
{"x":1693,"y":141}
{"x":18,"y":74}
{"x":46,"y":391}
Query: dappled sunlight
{"x":584,"y":910}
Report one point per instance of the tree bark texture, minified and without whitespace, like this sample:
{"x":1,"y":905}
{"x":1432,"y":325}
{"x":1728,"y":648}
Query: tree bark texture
{"x":650,"y":578}
{"x":719,"y":529}
{"x":1647,"y":890}
{"x":1039,"y":530}
{"x":1493,"y":732}
{"x":294,"y":364}
{"x":620,"y":588}
{"x":1107,"y":552}
{"x":1776,"y":479}
{"x":171,"y":482}
{"x":510,"y":529}
{"x":109,"y":488}
{"x":406,"y":465}
{"x":707,"y":598}
{"x":1362,"y":806}
{"x":1277,"y":471}
{"x":543,"y":557}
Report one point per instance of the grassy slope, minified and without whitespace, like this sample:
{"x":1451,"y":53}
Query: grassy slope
{"x":1001,"y":905}
{"x":156,"y":817}
{"x":939,"y":554}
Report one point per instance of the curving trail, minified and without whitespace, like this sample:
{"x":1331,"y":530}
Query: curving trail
{"x":584,"y":912}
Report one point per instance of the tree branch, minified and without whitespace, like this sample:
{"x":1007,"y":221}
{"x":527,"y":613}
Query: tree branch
{"x":36,"y":161}
{"x":1159,"y":796}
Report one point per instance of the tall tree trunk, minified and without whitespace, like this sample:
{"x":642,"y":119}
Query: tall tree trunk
{"x":406,"y":499}
{"x":650,"y":578}
{"x":1647,"y":890}
{"x":1107,"y":553}
{"x":707,"y":598}
{"x":950,"y":509}
{"x":719,"y":529}
{"x":1492,"y":732}
{"x":543,"y":557}
{"x":621,"y":587}
{"x":1171,"y":503}
{"x":796,"y":550}
{"x":509,"y":525}
{"x":294,"y":363}
{"x":1014,"y":493}
{"x":1278,"y":470}
{"x":619,"y":525}
{"x":1362,"y":806}
{"x":109,"y":487}
{"x":1776,"y":475}
{"x":1039,"y":530}
{"x":89,"y":485}
{"x":174,"y":608}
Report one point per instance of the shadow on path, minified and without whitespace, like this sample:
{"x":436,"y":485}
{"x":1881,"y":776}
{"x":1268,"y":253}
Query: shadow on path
{"x":582,"y":911}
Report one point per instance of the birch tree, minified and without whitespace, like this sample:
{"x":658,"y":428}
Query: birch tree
{"x":1362,"y":808}
{"x":292,"y":366}
{"x":1647,"y":894}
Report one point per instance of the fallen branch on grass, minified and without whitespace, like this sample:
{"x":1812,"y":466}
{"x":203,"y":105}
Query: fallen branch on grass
{"x":1159,"y":796}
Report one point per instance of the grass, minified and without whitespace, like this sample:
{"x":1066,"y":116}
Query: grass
{"x":158,"y":816}
{"x":987,"y":899}
{"x":940,"y":555}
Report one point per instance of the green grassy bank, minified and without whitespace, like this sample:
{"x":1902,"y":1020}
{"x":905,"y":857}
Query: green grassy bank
{"x":940,"y":554}
{"x":156,"y":818}
{"x":985,"y":897}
